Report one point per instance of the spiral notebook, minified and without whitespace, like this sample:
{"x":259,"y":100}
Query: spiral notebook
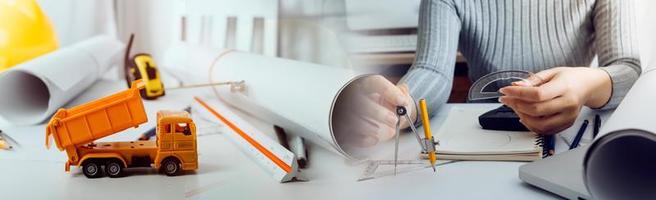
{"x":462,"y":138}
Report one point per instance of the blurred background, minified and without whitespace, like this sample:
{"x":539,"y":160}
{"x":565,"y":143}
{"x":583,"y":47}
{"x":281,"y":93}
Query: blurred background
{"x":317,"y":31}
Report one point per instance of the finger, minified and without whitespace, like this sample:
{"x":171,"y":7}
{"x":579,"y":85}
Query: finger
{"x":536,"y":109}
{"x":527,"y":120}
{"x":377,"y":98}
{"x":404,"y":88}
{"x":532,"y":123}
{"x":543,"y":125}
{"x":543,"y":76}
{"x":391,"y":107}
{"x":385,"y":132}
{"x":366,"y":126}
{"x":360,"y":141}
{"x":363,"y":125}
{"x":546,"y":91}
{"x":375,"y":83}
{"x":530,"y":81}
{"x":521,"y":92}
{"x":547,"y":125}
{"x":357,"y":131}
{"x":523,"y":83}
{"x":388,"y":91}
{"x":394,"y":96}
{"x":366,"y":107}
{"x":367,"y":141}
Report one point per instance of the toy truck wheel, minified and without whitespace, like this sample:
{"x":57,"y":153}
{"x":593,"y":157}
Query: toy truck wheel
{"x":170,"y":166}
{"x":91,"y":169}
{"x":113,"y":168}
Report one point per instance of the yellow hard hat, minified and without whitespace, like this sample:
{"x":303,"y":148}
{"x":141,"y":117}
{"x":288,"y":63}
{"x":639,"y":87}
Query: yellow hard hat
{"x":25,"y":32}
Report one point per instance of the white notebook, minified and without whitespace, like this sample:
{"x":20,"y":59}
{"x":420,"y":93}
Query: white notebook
{"x":462,"y":138}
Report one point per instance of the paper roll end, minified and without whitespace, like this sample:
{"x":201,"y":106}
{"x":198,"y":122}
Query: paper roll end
{"x":26,"y":98}
{"x":620,"y":165}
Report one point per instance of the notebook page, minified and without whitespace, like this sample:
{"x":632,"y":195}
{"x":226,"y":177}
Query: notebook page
{"x":462,"y":134}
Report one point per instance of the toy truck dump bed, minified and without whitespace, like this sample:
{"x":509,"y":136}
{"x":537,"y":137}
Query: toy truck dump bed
{"x":97,"y":119}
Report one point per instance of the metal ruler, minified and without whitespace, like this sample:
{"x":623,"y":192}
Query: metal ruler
{"x":372,"y":165}
{"x":371,"y":170}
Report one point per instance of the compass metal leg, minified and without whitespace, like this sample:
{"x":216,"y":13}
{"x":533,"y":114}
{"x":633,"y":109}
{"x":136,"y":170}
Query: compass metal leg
{"x":396,"y":144}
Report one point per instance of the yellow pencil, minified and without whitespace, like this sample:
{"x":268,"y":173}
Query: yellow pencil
{"x":427,"y":132}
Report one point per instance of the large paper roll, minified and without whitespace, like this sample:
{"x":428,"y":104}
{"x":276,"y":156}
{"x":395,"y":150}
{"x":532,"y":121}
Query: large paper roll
{"x":300,"y":97}
{"x":34,"y":90}
{"x":621,"y":162}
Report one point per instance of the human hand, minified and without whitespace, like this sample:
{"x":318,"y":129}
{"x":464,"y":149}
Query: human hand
{"x":550,"y":101}
{"x":367,"y":115}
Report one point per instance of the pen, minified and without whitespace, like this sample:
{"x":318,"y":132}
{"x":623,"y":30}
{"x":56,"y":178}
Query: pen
{"x":550,"y":144}
{"x":597,"y":124}
{"x":294,"y":144}
{"x":297,"y":145}
{"x":281,"y":135}
{"x":579,"y":135}
{"x":147,"y":135}
{"x":430,"y":147}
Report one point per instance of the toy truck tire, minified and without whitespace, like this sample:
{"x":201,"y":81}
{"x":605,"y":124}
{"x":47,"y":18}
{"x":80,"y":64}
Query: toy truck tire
{"x":114,"y":168}
{"x":92,"y":169}
{"x":171,"y":166}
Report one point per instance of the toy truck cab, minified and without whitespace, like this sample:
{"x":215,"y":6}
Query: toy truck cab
{"x":176,"y":138}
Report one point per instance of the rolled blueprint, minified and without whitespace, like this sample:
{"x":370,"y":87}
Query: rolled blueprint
{"x":300,"y":97}
{"x":621,"y":162}
{"x":34,"y":90}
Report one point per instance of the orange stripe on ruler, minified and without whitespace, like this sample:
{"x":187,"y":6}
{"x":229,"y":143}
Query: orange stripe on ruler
{"x":284,"y":166}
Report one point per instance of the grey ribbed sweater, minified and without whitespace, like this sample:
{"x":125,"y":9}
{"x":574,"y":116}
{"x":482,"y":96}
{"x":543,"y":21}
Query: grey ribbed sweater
{"x":530,"y":35}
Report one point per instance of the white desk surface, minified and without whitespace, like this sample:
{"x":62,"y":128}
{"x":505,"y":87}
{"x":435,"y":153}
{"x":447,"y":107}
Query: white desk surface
{"x":31,"y":172}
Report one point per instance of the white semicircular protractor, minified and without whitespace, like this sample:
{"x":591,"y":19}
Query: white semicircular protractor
{"x":487,"y":87}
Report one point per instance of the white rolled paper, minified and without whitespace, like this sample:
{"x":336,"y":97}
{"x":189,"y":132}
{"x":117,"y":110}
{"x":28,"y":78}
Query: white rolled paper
{"x":298,"y":96}
{"x":621,"y":162}
{"x":34,"y":90}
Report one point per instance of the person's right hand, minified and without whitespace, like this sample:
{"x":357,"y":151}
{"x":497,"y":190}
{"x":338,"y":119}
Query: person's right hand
{"x":369,"y":116}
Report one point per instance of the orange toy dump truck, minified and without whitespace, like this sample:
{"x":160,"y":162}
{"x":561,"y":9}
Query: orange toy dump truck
{"x":76,"y":129}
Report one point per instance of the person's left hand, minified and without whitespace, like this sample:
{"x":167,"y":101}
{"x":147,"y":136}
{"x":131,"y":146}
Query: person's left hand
{"x":551,"y":100}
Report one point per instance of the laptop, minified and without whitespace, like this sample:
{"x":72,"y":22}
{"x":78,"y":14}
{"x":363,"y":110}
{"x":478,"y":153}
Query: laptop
{"x":561,"y":174}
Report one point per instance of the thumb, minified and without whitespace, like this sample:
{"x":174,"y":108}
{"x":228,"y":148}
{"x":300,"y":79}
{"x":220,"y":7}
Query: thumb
{"x":404,"y":88}
{"x":538,"y":79}
{"x":394,"y":95}
{"x":544,"y":76}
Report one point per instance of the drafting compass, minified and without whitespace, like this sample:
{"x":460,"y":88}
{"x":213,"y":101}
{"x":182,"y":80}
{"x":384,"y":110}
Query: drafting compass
{"x":427,"y":143}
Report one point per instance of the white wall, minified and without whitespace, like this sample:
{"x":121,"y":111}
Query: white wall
{"x":152,"y":22}
{"x":308,"y":28}
{"x":647,"y":32}
{"x":76,"y":20}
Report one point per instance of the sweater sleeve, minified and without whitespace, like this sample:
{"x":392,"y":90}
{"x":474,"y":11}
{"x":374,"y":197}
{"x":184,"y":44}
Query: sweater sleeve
{"x":430,"y":77}
{"x":616,"y":46}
